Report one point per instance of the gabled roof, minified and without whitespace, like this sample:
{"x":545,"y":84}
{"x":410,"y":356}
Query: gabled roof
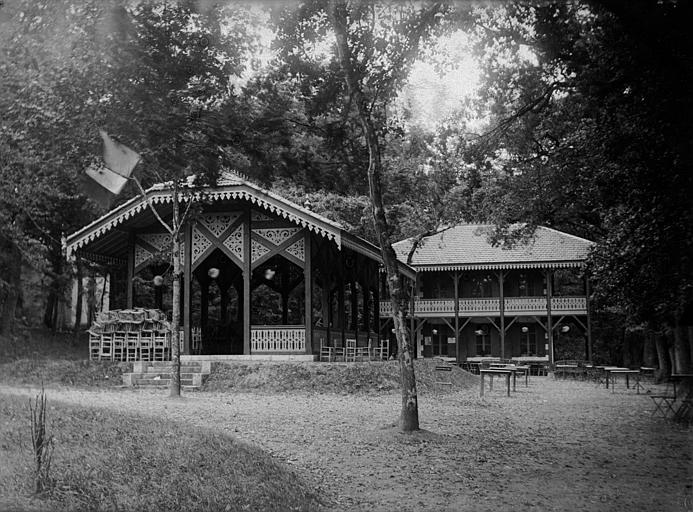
{"x":107,"y":238}
{"x":466,"y":247}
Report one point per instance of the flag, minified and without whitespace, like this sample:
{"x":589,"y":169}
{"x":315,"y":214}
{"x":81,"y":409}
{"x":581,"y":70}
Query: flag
{"x":101,"y":183}
{"x":118,"y":158}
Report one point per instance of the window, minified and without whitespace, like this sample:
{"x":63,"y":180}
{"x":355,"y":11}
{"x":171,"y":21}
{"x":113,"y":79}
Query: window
{"x":528,"y":340}
{"x":483,"y":344}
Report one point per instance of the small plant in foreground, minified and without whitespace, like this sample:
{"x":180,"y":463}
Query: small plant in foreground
{"x":41,"y":442}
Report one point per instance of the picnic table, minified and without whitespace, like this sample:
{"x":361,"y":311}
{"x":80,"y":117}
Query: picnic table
{"x":613,"y":372}
{"x":491,"y":372}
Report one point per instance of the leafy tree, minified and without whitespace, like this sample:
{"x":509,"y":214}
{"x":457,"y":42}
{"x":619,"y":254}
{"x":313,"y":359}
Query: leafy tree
{"x":349,"y":60}
{"x":589,"y":109}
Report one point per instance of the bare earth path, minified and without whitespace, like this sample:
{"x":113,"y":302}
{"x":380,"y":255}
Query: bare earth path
{"x":556,"y":445}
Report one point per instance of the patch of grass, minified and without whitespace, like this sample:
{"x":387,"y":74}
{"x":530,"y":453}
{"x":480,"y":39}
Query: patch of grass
{"x":44,"y":344}
{"x":361,"y":377}
{"x":84,"y":373}
{"x":108,"y":461}
{"x":35,"y":356}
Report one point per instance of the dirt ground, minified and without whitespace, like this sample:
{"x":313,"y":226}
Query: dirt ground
{"x":555,"y":445}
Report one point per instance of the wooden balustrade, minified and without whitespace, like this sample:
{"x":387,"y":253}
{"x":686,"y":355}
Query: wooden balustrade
{"x":279,"y":338}
{"x":491,"y":306}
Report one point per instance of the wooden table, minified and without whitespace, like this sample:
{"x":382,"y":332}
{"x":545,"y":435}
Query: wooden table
{"x":496,"y":371}
{"x":623,"y":371}
{"x":565,"y":369}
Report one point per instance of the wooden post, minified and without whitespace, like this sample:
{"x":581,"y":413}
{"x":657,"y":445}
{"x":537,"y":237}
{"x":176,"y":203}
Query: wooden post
{"x":456,"y":283}
{"x":412,"y":321}
{"x":131,"y":269}
{"x":549,"y":319}
{"x":247,"y":273}
{"x":340,"y":297}
{"x":501,"y":277}
{"x":308,"y":289}
{"x":589,"y":319}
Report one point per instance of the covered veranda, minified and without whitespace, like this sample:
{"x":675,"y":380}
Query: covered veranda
{"x":262,"y":276}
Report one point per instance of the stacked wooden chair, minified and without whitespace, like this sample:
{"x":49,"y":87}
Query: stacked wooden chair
{"x":130,"y":335}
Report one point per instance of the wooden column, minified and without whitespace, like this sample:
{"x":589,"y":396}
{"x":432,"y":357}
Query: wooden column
{"x":308,"y":289}
{"x":340,"y":296}
{"x":589,"y":320}
{"x":549,"y":319}
{"x":502,"y":313}
{"x":187,"y":286}
{"x":130,"y":270}
{"x":247,"y":274}
{"x":456,"y":286}
{"x":412,"y":321}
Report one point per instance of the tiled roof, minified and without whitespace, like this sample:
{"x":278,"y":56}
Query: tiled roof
{"x":467,"y":247}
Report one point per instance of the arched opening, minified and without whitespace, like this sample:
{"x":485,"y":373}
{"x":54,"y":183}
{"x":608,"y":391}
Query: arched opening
{"x":217,"y":305}
{"x":278,"y":296}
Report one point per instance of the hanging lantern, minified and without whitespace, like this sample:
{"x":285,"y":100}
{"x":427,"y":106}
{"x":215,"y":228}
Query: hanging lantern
{"x":213,"y":272}
{"x":158,"y":280}
{"x":525,"y":329}
{"x":479,"y":332}
{"x":270,"y":273}
{"x":565,"y":328}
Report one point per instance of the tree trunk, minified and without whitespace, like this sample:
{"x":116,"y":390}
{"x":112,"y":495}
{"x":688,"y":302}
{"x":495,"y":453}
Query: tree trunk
{"x":649,"y":349}
{"x":662,"y":356}
{"x":14,"y":281}
{"x":174,"y":390}
{"x":682,"y":357}
{"x":409,"y":418}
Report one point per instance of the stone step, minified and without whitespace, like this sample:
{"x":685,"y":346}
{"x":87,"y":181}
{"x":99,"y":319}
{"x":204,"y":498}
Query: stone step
{"x":166,"y":366}
{"x":163,"y":383}
{"x":163,"y":379}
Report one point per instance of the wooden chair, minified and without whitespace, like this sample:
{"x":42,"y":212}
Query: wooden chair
{"x":664,"y":402}
{"x":132,"y":346}
{"x":119,"y":346}
{"x":106,"y":347}
{"x":94,"y":345}
{"x":363,"y":353}
{"x":381,"y":352}
{"x":350,"y":350}
{"x":326,"y":351}
{"x":146,"y":345}
{"x":162,"y":346}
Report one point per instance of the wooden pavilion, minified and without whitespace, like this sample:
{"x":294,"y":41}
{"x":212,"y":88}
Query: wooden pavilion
{"x":262,"y":276}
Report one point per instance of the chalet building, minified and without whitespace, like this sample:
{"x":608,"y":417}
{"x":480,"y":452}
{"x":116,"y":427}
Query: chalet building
{"x":473,"y":300}
{"x":262,"y":277}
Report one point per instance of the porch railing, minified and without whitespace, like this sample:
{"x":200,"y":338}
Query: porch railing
{"x":278,"y":338}
{"x":491,"y":306}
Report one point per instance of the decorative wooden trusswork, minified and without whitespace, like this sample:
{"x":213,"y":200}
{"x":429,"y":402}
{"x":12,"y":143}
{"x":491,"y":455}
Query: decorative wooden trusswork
{"x":235,"y":242}
{"x":218,"y":223}
{"x":277,"y":236}
{"x":148,"y":245}
{"x":298,"y":249}
{"x":142,"y":255}
{"x":278,"y":339}
{"x":257,"y":250}
{"x":200,"y":243}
